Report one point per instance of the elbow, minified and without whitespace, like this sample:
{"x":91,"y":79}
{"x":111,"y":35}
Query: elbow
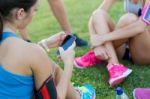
{"x":61,"y":94}
{"x":139,"y":27}
{"x":141,"y":30}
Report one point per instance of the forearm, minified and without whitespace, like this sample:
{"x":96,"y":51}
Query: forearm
{"x":146,"y":2}
{"x":107,"y":4}
{"x":62,"y":86}
{"x":58,"y":9}
{"x":125,"y":32}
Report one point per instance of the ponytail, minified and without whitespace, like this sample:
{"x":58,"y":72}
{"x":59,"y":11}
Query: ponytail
{"x":1,"y":26}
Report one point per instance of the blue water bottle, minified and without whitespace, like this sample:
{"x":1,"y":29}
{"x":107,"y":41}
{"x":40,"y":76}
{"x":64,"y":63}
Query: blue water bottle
{"x":120,"y":94}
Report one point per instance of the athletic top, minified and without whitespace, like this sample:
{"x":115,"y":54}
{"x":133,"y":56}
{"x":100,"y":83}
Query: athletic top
{"x":132,"y":8}
{"x":14,"y":86}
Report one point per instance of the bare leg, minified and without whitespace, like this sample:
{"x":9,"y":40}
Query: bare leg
{"x":140,"y":48}
{"x":120,"y":44}
{"x":71,"y":93}
{"x":139,"y":45}
{"x":58,"y":9}
{"x":102,"y":24}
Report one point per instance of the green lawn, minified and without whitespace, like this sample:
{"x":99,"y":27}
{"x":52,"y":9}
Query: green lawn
{"x":44,"y":25}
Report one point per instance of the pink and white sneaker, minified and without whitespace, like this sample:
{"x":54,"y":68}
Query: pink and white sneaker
{"x":87,"y":60}
{"x":117,"y":73}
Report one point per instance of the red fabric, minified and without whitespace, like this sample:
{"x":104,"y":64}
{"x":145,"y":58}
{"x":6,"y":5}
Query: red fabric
{"x":45,"y":93}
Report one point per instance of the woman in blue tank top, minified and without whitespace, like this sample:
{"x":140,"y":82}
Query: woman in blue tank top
{"x":25,"y":67}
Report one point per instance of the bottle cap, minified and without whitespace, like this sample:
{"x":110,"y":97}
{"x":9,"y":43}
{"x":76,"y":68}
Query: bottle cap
{"x":119,"y":91}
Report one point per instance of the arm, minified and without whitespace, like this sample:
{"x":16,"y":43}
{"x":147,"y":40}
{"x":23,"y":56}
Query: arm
{"x":43,"y":67}
{"x":52,"y":41}
{"x":58,"y":9}
{"x":146,"y":2}
{"x":107,"y":4}
{"x":126,"y":32}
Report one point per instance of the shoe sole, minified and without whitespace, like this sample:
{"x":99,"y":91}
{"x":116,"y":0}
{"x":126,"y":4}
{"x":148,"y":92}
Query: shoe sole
{"x":118,"y":80}
{"x":94,"y":97}
{"x":77,"y":66}
{"x":134,"y":94}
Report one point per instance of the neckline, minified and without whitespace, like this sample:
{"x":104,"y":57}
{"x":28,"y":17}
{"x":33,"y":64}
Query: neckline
{"x":16,"y":75}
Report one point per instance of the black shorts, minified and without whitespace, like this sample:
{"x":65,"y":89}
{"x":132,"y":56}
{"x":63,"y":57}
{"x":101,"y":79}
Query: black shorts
{"x":127,"y":55}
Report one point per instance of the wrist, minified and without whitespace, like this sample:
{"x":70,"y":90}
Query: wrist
{"x":44,"y":44}
{"x":68,"y":63}
{"x":68,"y":67}
{"x":103,"y":38}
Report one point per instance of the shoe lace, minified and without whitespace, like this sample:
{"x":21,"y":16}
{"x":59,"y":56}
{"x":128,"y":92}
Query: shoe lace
{"x":116,"y":70}
{"x":89,"y":57}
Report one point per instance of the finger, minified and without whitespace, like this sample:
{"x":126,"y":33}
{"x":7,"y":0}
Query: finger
{"x":101,"y":56}
{"x":58,"y":57}
{"x":61,"y":50}
{"x":62,"y":35}
{"x":108,"y":53}
{"x":105,"y":56}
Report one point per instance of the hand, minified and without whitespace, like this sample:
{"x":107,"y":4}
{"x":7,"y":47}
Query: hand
{"x":96,"y":40}
{"x":56,"y":39}
{"x":67,"y":56}
{"x":102,"y":53}
{"x":53,"y":41}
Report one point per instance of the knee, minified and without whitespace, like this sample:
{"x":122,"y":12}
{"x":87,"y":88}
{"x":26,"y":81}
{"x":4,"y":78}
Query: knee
{"x":127,"y":19}
{"x":99,"y":14}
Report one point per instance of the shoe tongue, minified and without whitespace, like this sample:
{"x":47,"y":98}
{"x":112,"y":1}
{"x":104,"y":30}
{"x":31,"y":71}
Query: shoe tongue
{"x":89,"y":57}
{"x":109,"y":66}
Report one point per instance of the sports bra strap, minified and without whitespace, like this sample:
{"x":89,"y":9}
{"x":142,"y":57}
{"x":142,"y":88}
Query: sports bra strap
{"x":6,"y":35}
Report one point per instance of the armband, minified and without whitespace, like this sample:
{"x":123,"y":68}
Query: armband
{"x":47,"y":90}
{"x":146,"y":14}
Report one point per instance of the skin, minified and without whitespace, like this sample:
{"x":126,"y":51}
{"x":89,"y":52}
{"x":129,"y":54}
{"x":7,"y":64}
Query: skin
{"x":58,"y":10}
{"x":31,"y":60}
{"x":129,"y":29}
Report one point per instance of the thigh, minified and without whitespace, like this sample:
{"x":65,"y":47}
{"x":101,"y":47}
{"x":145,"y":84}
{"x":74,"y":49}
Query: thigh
{"x":124,"y":21}
{"x":57,"y":72}
{"x":140,"y":48}
{"x":101,"y":23}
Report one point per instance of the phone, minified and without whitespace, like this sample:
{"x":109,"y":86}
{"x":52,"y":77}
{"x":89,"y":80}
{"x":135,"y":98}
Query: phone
{"x":68,"y":41}
{"x":146,"y":14}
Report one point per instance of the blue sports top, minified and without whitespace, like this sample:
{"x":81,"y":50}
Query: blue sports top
{"x":132,"y":8}
{"x":6,"y":35}
{"x":14,"y":86}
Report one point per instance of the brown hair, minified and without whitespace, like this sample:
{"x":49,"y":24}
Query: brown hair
{"x":6,"y":6}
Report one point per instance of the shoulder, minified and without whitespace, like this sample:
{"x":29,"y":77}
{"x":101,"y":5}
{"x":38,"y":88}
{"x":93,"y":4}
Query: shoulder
{"x":28,"y":51}
{"x":36,"y":51}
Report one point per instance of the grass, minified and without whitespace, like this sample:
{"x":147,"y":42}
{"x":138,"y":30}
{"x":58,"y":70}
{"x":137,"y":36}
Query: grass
{"x":79,"y":11}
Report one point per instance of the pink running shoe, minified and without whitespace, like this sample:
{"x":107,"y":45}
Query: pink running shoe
{"x":141,"y":93}
{"x":117,"y":73}
{"x":87,"y":60}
